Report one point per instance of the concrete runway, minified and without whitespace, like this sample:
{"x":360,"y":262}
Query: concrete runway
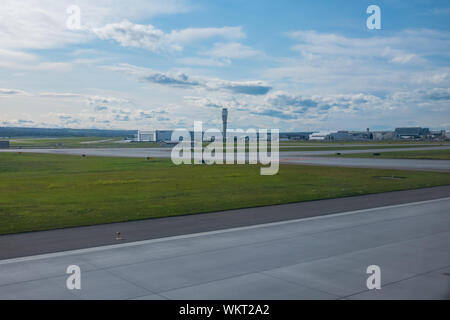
{"x":165,"y":152}
{"x":314,"y":258}
{"x":290,"y":157}
{"x":368,"y":150}
{"x":341,"y":145}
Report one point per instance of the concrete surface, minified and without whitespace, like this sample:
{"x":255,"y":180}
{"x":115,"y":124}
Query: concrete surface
{"x":32,"y":243}
{"x":165,"y":152}
{"x":370,"y":145}
{"x":400,"y":164}
{"x":314,"y":258}
{"x":290,"y":157}
{"x":367,"y":150}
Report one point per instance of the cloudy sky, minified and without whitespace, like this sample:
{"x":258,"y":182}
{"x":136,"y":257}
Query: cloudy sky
{"x":287,"y":64}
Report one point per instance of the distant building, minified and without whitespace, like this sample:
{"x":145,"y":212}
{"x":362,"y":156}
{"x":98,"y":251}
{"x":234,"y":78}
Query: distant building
{"x":146,"y":136}
{"x":287,"y":136}
{"x":154,"y":136}
{"x":4,"y":144}
{"x":164,"y":135}
{"x":350,"y":136}
{"x":438,"y":135}
{"x":383,"y":135}
{"x":413,"y":133}
{"x":319,"y":136}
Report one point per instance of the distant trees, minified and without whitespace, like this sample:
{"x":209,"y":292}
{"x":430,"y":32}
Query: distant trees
{"x":53,"y":132}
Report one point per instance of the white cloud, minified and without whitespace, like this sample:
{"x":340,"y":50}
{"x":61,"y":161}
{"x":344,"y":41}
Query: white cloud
{"x":128,"y":34}
{"x":232,"y":50}
{"x":440,"y":11}
{"x":189,"y":35}
{"x":221,"y":55}
{"x":415,"y":44}
{"x":334,"y":63}
{"x":286,"y":110}
{"x":437,"y":77}
{"x":203,"y":61}
{"x":403,"y":59}
{"x":12,"y":92}
{"x":92,"y":100}
{"x":338,"y":111}
{"x":182,"y":80}
{"x":14,"y":55}
{"x":41,"y":24}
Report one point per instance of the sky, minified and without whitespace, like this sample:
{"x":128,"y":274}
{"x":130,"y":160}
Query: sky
{"x":289,"y":64}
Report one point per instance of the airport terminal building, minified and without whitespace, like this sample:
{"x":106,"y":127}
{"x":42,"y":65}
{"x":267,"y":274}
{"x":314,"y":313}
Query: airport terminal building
{"x":405,"y":133}
{"x":4,"y":144}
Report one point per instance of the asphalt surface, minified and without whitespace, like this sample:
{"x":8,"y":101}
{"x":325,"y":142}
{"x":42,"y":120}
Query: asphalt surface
{"x":317,"y":258}
{"x":32,"y":243}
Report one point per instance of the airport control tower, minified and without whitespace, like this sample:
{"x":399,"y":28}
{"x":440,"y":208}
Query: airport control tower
{"x":224,"y":123}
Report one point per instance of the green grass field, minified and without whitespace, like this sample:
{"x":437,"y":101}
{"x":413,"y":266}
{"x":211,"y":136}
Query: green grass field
{"x":78,"y":142}
{"x":39,"y":192}
{"x":422,"y":154}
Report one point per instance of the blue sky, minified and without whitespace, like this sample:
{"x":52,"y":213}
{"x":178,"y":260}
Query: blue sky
{"x":291,"y":65}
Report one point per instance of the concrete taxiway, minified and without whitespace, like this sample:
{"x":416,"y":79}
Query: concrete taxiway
{"x":400,"y":164}
{"x":290,"y":157}
{"x":313,"y":258}
{"x":166,"y":152}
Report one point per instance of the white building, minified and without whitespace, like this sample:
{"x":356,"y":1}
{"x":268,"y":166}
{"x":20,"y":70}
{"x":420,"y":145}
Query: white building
{"x":146,"y":136}
{"x":319,"y":136}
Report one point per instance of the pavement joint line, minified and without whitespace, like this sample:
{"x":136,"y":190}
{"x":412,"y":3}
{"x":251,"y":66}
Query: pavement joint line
{"x":145,"y":295}
{"x":120,"y":276}
{"x":415,"y":275}
{"x":163,"y":296}
{"x":384,"y":245}
{"x":414,"y":246}
{"x":194,"y":235}
{"x":243,"y":274}
{"x":398,"y":281}
{"x":314,"y":234}
{"x":340,"y":255}
{"x":298,"y":283}
{"x":237,"y":275}
{"x":262,"y":271}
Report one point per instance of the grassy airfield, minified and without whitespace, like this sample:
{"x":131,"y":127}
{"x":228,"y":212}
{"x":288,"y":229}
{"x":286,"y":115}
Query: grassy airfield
{"x":43,"y":191}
